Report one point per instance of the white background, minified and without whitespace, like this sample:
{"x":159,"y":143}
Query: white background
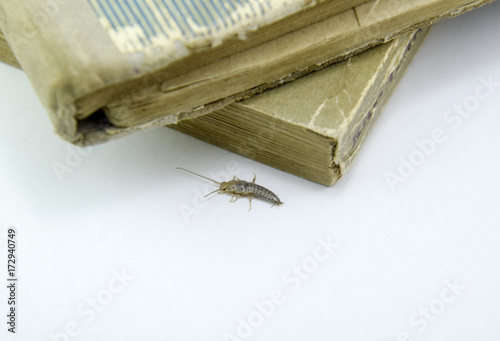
{"x":105,"y":251}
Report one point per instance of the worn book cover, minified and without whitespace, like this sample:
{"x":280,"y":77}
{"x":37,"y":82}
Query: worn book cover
{"x":104,"y":69}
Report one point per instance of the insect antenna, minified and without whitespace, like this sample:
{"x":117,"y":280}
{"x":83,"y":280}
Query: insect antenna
{"x":199,"y":176}
{"x":211,"y":193}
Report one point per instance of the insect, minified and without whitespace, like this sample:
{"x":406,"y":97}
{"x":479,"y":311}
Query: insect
{"x":240,"y":188}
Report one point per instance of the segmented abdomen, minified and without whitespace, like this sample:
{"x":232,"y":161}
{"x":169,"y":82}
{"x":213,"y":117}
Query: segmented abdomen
{"x":250,"y":188}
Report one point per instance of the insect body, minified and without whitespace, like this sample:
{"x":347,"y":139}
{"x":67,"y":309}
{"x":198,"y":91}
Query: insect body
{"x":240,"y":188}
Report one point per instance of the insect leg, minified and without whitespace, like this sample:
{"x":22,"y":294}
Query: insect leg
{"x":254,"y":176}
{"x":250,"y":201}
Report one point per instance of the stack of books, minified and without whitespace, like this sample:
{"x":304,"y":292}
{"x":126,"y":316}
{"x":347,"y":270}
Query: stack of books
{"x":294,"y":84}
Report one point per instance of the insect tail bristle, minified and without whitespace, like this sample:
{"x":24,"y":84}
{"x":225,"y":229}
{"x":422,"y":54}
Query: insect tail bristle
{"x":277,"y":203}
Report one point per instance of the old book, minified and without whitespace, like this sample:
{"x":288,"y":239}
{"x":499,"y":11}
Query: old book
{"x":314,"y":126}
{"x":104,"y":69}
{"x":82,"y":55}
